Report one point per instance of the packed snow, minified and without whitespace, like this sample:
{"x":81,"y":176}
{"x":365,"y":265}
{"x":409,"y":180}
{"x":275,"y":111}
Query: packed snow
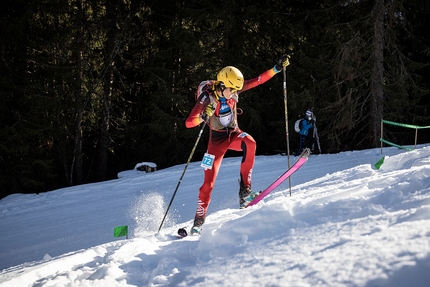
{"x":345,"y":223}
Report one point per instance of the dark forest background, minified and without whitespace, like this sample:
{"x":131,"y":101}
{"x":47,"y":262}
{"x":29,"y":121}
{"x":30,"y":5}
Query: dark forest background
{"x":90,"y":88}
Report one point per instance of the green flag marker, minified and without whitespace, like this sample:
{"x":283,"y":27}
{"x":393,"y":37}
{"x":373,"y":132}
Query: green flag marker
{"x":379,"y":163}
{"x":120,"y":231}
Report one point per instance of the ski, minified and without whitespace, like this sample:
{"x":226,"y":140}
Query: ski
{"x":298,"y":164}
{"x":182,"y":232}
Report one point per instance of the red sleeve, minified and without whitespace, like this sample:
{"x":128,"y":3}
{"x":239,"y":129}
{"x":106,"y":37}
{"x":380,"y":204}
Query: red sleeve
{"x":261,"y":79}
{"x":194,"y":118}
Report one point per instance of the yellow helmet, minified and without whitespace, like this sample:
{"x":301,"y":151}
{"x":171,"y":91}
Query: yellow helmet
{"x":231,"y":78}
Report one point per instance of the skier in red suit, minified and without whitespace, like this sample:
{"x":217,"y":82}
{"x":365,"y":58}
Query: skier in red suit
{"x":216,"y":104}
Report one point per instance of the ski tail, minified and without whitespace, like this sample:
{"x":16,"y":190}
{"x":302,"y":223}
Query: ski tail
{"x":299,"y":162}
{"x":182,"y":232}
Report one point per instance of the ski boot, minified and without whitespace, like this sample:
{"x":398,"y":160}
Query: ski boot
{"x":197,"y":227}
{"x":245,"y":195}
{"x":195,"y":230}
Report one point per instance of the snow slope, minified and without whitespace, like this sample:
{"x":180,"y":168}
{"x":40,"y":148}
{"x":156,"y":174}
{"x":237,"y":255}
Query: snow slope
{"x":346,"y":224}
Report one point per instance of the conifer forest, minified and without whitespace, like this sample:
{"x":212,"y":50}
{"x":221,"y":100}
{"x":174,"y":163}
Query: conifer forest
{"x":89,"y":88}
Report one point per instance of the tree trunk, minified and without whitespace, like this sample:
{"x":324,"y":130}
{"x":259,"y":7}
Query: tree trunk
{"x":77,"y":164}
{"x":377,"y":92}
{"x":104,"y":137}
{"x":106,"y":99}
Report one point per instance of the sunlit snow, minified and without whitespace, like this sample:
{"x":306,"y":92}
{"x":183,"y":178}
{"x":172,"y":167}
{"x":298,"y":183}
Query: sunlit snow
{"x":345,"y":224}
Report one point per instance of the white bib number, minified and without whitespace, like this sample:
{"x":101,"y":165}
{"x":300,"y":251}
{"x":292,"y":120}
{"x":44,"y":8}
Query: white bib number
{"x":208,"y":161}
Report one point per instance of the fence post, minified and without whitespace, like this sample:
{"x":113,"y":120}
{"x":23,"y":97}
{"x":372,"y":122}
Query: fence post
{"x":382,"y":133}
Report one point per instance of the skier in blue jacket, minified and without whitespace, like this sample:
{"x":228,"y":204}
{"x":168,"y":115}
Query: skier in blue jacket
{"x":306,"y":131}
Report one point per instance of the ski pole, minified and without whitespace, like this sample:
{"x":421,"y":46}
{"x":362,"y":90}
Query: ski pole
{"x":315,"y":132}
{"x":317,"y":137}
{"x":183,"y":172}
{"x":286,"y":121}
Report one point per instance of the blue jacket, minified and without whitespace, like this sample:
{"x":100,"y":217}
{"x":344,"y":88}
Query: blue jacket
{"x":306,"y":125}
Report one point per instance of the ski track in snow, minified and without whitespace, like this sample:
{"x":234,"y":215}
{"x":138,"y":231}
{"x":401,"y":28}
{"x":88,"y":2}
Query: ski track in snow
{"x":345,"y":224}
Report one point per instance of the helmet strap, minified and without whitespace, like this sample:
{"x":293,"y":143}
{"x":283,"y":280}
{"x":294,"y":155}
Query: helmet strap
{"x":221,"y":87}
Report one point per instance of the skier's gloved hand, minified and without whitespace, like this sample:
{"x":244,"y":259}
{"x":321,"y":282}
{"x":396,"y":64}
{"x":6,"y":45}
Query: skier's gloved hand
{"x":209,"y":111}
{"x":283,"y":61}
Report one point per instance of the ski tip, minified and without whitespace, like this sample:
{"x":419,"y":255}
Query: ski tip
{"x":306,"y":152}
{"x":182,"y":232}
